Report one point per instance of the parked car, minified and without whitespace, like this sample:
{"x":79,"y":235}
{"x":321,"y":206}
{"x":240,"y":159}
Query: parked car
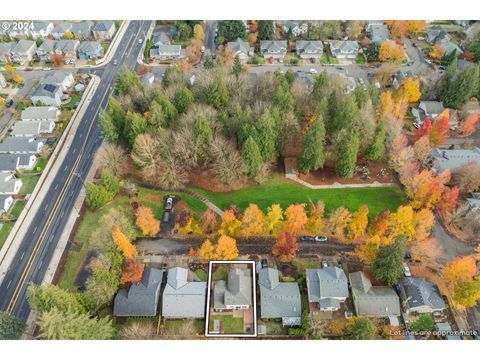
{"x":313,"y":71}
{"x":306,"y":238}
{"x":408,"y":255}
{"x":340,"y":68}
{"x":348,"y":314}
{"x":442,"y":67}
{"x":406,"y":270}
{"x":320,"y":238}
{"x":416,"y":125}
{"x":169,"y":203}
{"x":46,"y":69}
{"x":324,"y":264}
{"x":428,"y":61}
{"x":140,"y":41}
{"x":9,"y":103}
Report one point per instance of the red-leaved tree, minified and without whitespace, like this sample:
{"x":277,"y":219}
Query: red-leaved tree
{"x":285,"y":247}
{"x":438,"y":135}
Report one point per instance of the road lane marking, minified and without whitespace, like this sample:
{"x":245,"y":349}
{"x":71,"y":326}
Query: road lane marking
{"x":34,"y":230}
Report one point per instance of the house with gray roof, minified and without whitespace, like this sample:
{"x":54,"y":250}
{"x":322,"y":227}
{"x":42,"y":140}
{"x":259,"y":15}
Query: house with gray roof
{"x":82,"y":30}
{"x":90,"y":50}
{"x":104,"y":30}
{"x":379,"y":33}
{"x":9,"y":184}
{"x":241,"y":48}
{"x":420,"y":296}
{"x":46,"y":50}
{"x":24,"y":51}
{"x":279,"y":299}
{"x":426,"y":109}
{"x":183,"y":299}
{"x":161,"y":38}
{"x":47,"y":95}
{"x":273,"y":49}
{"x":371,"y":23}
{"x":32,"y":128}
{"x":344,"y":49}
{"x":235,"y":293}
{"x":436,"y":34}
{"x":60,"y":29}
{"x":141,"y":298}
{"x":450,"y":47}
{"x":296,"y":27}
{"x":309,"y":49}
{"x":40,"y":113}
{"x":166,"y":52}
{"x":6,"y":51}
{"x":68,"y":49}
{"x":327,"y":287}
{"x":442,"y":159}
{"x":6,"y":202}
{"x":41,"y":29}
{"x":474,"y":203}
{"x":373,"y":301}
{"x":63,"y":79}
{"x":14,"y":162}
{"x":21,"y":145}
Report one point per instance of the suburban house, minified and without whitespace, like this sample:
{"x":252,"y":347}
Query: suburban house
{"x":378,"y":33}
{"x":9,"y":184}
{"x":182,"y":298}
{"x":241,"y":48}
{"x":166,"y":52}
{"x":309,"y":49}
{"x":47,"y":94}
{"x":46,"y":50}
{"x":24,"y":51}
{"x":400,"y":76}
{"x":344,"y":50}
{"x":63,"y":79}
{"x":21,"y":145}
{"x":279,"y":299}
{"x":371,"y":23}
{"x":14,"y":162}
{"x":41,"y":29}
{"x":40,"y":113}
{"x":68,"y":49}
{"x":6,"y":51}
{"x":295,"y":27}
{"x":420,"y":296}
{"x":474,"y":204}
{"x":32,"y":128}
{"x":327,"y":288}
{"x":429,"y":109}
{"x":442,"y":159}
{"x":104,"y":30}
{"x":161,"y":38}
{"x":141,"y":298}
{"x":436,"y":34}
{"x":373,"y":301}
{"x":6,"y":202}
{"x":273,"y":49}
{"x":235,"y":293}
{"x":60,"y":29}
{"x":90,"y":50}
{"x":82,"y":30}
{"x":450,"y":46}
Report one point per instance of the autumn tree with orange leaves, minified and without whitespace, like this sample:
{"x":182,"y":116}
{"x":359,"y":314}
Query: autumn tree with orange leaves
{"x":448,"y":203}
{"x":423,"y":130}
{"x":226,"y":248}
{"x":273,"y":219}
{"x":412,"y":89}
{"x":253,"y":221}
{"x":391,"y":52}
{"x":358,"y":225}
{"x":146,"y":222}
{"x":124,"y":245}
{"x":285,"y":247}
{"x":460,"y":269}
{"x":316,"y":221}
{"x":230,"y":225}
{"x":425,"y":189}
{"x":438,"y":134}
{"x":206,"y":250}
{"x":132,"y":271}
{"x":416,"y":26}
{"x":468,"y":125}
{"x":398,"y":28}
{"x":295,"y":219}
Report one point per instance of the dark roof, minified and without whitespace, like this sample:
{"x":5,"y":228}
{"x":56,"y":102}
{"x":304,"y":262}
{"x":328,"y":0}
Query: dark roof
{"x":103,"y":25}
{"x":420,"y":292}
{"x":141,"y":299}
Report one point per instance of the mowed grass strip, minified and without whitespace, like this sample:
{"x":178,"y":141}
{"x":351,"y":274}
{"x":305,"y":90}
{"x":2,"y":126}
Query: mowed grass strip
{"x":280,"y":191}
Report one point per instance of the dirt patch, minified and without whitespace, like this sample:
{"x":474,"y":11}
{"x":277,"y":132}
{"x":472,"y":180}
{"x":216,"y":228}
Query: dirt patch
{"x":327,"y":176}
{"x":206,"y":180}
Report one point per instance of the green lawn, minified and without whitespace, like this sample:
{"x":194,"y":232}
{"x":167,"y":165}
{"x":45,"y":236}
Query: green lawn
{"x":71,"y":104}
{"x":361,"y":59}
{"x":17,"y":208}
{"x":201,"y":274}
{"x":40,"y":165}
{"x":231,"y":325}
{"x":279,"y":190}
{"x":220,"y":273}
{"x":4,"y":231}
{"x":29,"y":183}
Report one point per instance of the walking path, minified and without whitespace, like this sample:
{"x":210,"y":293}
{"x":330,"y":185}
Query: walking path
{"x":207,"y":202}
{"x":337,"y":185}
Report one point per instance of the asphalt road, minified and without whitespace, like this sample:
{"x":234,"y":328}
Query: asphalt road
{"x":35,"y":252}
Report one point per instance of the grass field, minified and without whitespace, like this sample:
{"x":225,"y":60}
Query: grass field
{"x":201,"y":274}
{"x":279,"y":190}
{"x":231,"y":325}
{"x":29,"y":183}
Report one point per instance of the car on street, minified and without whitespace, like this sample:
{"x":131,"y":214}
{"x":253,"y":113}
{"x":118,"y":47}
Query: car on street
{"x":169,"y":203}
{"x":406,"y":270}
{"x":115,"y":62}
{"x":313,"y":71}
{"x":306,"y":238}
{"x":140,"y":41}
{"x":320,"y":238}
{"x":46,"y":68}
{"x":340,"y":68}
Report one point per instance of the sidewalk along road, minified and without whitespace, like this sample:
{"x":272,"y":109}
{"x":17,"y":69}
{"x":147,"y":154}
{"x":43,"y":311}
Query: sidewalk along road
{"x":30,"y":263}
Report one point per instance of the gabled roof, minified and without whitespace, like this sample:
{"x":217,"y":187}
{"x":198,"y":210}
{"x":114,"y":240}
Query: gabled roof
{"x":47,"y":46}
{"x":432,"y":107}
{"x":7,"y":182}
{"x":8,"y":162}
{"x":273,"y":46}
{"x":343,"y":47}
{"x":240,"y":46}
{"x":166,"y":50}
{"x":141,"y":299}
{"x":161,"y":37}
{"x":82,"y":27}
{"x":56,"y":77}
{"x":41,"y":25}
{"x":35,"y":127}
{"x":89,"y":46}
{"x":327,"y":282}
{"x":420,"y":292}
{"x":278,"y":299}
{"x":7,"y":46}
{"x":62,"y":27}
{"x":48,"y":90}
{"x":181,"y":298}
{"x":309,"y":46}
{"x":40,"y":112}
{"x":236,"y":291}
{"x":19,"y":144}
{"x":67,"y":45}
{"x":23,"y":46}
{"x":452,"y":159}
{"x":104,"y":25}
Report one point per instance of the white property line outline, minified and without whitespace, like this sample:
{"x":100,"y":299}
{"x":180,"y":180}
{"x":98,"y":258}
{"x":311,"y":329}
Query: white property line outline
{"x":254,"y":296}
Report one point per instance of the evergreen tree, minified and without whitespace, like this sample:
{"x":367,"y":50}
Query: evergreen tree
{"x":108,"y":128}
{"x":388,"y":264}
{"x":347,"y":154}
{"x":135,"y":124}
{"x":312,"y":156}
{"x":237,"y":68}
{"x":218,"y":93}
{"x":266,"y":29}
{"x":203,"y":136}
{"x":462,"y":88}
{"x":376,"y":150}
{"x":231,"y":29}
{"x":156,"y":118}
{"x":11,"y":327}
{"x":268,"y":136}
{"x":252,"y":157}
{"x":45,"y":297}
{"x":171,"y":113}
{"x":125,"y":81}
{"x":183,"y":99}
